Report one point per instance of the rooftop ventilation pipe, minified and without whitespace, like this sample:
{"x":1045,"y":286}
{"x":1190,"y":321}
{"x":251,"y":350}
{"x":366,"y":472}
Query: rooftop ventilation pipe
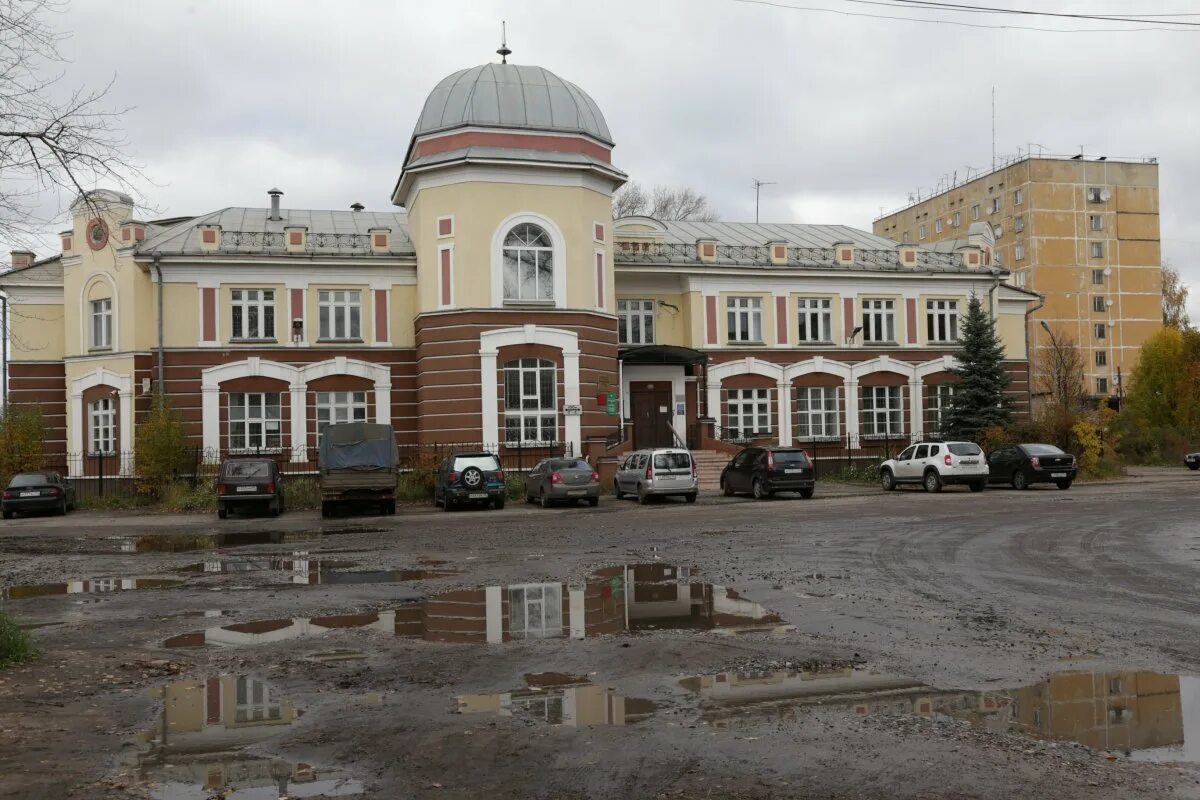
{"x":275,"y":195}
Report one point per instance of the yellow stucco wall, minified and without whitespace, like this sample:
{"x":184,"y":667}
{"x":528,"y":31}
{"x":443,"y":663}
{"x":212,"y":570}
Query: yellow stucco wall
{"x":36,"y":331}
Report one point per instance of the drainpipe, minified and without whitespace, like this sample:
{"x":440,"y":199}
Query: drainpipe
{"x":4,"y":352}
{"x":162,"y":388}
{"x":1029,"y":351}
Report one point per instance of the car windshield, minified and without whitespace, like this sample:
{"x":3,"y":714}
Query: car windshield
{"x":248,"y":469}
{"x":571,"y":463}
{"x":965,"y":449}
{"x":485,"y":463}
{"x":791,"y":457}
{"x":672,"y":461}
{"x":1042,"y":450}
{"x":28,"y":479}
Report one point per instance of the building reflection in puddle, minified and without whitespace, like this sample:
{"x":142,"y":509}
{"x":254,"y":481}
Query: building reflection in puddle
{"x":576,"y":706}
{"x":1145,"y":715}
{"x":90,"y":586}
{"x":194,"y":744}
{"x":663,"y":598}
{"x":187,"y":542}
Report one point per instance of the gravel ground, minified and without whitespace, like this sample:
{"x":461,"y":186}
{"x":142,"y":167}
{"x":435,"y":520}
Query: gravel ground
{"x":951,"y":599}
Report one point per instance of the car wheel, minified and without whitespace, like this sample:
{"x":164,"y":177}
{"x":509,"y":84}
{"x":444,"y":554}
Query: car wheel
{"x":643,"y":498}
{"x":887,"y":480}
{"x":274,"y":509}
{"x":223,"y":514}
{"x":498,"y":504}
{"x":758,"y":491}
{"x":545,"y":501}
{"x":933,"y":481}
{"x":807,"y":493}
{"x":1019,"y":481}
{"x":62,"y":508}
{"x":617,"y":493}
{"x":1064,"y":485}
{"x":725,"y":488}
{"x":977,"y":486}
{"x":691,"y":498}
{"x":8,"y":514}
{"x":447,"y":506}
{"x":1193,"y":466}
{"x":593,"y":501}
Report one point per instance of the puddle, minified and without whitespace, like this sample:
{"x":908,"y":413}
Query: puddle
{"x":575,"y":707}
{"x":663,"y":597}
{"x":1146,"y":716}
{"x":310,"y":571}
{"x":182,"y":543}
{"x":542,"y":680}
{"x":193,"y":746}
{"x":93,"y":586}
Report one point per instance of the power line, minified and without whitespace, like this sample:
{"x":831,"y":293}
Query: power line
{"x":964,"y":8}
{"x":844,"y":13}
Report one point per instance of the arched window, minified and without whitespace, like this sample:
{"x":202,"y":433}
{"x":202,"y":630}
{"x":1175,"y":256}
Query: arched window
{"x":528,"y":265}
{"x":530,"y":403}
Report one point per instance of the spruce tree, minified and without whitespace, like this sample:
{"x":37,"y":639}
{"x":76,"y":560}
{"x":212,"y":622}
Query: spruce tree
{"x":979,"y":400}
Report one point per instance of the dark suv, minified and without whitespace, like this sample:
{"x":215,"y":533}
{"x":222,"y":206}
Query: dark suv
{"x":470,"y":478}
{"x":249,"y":483}
{"x":763,"y":471}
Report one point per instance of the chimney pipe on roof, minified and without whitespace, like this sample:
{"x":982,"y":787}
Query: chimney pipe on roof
{"x":275,"y":195}
{"x":357,"y":207}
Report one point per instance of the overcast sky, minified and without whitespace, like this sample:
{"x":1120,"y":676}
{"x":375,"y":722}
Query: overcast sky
{"x":846,"y":114}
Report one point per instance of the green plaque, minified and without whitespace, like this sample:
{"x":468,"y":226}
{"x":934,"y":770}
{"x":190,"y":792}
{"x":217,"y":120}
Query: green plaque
{"x":611,"y":405}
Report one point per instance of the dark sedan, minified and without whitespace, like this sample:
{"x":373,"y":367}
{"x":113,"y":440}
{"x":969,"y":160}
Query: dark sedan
{"x":1192,"y":461}
{"x":249,"y":483}
{"x":763,"y":471}
{"x":1023,"y":465}
{"x":37,"y":491}
{"x":565,"y":480}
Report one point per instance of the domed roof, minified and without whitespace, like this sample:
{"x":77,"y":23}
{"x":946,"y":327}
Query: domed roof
{"x":511,"y":96}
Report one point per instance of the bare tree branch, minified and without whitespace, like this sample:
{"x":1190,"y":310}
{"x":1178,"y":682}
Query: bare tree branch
{"x":1062,"y":376}
{"x":663,"y":203}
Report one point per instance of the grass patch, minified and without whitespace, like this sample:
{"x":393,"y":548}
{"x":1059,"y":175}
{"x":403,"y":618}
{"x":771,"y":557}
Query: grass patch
{"x":16,"y":645}
{"x":859,"y":473}
{"x":115,"y":502}
{"x":302,"y":493}
{"x":182,"y":496}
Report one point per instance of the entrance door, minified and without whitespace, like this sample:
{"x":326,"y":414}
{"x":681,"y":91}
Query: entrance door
{"x":650,"y":407}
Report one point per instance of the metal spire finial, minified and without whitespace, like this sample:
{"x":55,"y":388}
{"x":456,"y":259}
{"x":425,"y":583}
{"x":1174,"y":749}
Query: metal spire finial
{"x":504,"y":52}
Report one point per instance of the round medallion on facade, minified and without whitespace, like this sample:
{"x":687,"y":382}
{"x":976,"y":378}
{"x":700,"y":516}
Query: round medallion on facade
{"x":97,"y":234}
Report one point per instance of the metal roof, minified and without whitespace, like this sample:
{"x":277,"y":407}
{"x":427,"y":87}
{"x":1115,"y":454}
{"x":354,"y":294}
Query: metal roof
{"x":754,"y":233}
{"x":249,"y":230}
{"x":511,"y":96}
{"x":48,"y":270}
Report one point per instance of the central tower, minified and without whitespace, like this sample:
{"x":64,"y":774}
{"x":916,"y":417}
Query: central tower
{"x":508,"y":185}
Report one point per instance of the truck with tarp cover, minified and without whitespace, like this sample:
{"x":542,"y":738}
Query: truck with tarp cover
{"x":358,"y":467}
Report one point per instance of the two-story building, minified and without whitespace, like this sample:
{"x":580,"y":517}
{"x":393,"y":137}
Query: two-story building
{"x":502,"y":305}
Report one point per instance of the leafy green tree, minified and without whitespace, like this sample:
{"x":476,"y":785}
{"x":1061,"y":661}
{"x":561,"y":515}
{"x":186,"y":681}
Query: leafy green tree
{"x":1164,"y":390}
{"x":21,"y":435}
{"x":979,"y":401}
{"x":161,"y":448}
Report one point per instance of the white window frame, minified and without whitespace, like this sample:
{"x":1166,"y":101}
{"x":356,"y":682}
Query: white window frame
{"x":1018,"y":223}
{"x":1018,"y":196}
{"x":997,"y":204}
{"x":334,"y":408}
{"x":1096,"y":222}
{"x":743,"y":319}
{"x":1101,"y":358}
{"x":340,"y":315}
{"x":937,"y":225}
{"x":941,"y":321}
{"x":1018,"y":252}
{"x":254,"y":700}
{"x":1101,"y":385}
{"x":641,"y":312}
{"x":907,"y":235}
{"x":539,"y":603}
{"x":956,"y":220}
{"x":1019,"y":279}
{"x":530,"y":402}
{"x":1095,"y":194}
{"x":522,"y":246}
{"x":814,"y":317}
{"x":1100,"y":304}
{"x":269,"y":434}
{"x":748,"y":405}
{"x":882,"y":404}
{"x":818,"y":413}
{"x":939,"y":401}
{"x":1101,"y":330}
{"x":102,"y":426}
{"x":100,"y":318}
{"x":921,"y":231}
{"x":879,"y":318}
{"x":244,"y":301}
{"x":975,"y":211}
{"x":1097,"y":249}
{"x":1097,"y":273}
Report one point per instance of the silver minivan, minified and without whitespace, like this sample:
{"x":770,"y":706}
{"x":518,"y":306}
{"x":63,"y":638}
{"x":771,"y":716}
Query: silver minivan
{"x":657,"y":473}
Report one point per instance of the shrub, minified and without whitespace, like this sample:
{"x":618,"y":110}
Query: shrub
{"x":515,"y":485}
{"x":180,"y":495}
{"x":21,"y":435}
{"x":161,"y":450}
{"x":302,"y":493}
{"x":16,"y":645}
{"x":1087,"y":436}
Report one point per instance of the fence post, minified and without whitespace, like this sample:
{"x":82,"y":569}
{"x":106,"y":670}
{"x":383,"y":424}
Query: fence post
{"x":100,"y":480}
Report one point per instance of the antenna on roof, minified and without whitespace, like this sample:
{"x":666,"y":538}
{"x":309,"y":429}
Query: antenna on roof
{"x":757,"y":187}
{"x":504,"y":52}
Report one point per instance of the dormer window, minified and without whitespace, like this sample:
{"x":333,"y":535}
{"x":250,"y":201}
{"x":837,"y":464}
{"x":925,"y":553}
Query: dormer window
{"x":528,"y":265}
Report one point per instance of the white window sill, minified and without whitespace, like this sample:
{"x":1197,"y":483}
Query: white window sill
{"x":745,"y":343}
{"x":327,"y":340}
{"x":881,"y":344}
{"x":808,"y":343}
{"x":253,"y":340}
{"x":266,"y":451}
{"x":105,"y":349}
{"x":535,"y":303}
{"x":882,"y":436}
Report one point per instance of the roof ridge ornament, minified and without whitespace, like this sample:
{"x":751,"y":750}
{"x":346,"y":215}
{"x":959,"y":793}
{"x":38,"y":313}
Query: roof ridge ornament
{"x":504,"y":52}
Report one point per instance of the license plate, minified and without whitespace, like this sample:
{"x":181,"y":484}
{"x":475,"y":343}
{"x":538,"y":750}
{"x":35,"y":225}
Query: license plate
{"x":477,"y":496}
{"x":247,"y":488}
{"x":1058,"y":474}
{"x":31,"y":494}
{"x":969,"y":461}
{"x":793,"y":471}
{"x":577,"y":492}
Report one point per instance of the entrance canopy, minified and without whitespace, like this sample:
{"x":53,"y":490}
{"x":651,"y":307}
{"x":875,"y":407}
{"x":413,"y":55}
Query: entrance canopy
{"x":663,"y":354}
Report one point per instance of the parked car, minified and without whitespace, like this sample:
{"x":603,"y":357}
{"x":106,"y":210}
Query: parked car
{"x":934,"y":464}
{"x":1023,"y":465}
{"x":562,"y":480}
{"x":470,"y":478}
{"x":1192,"y":460}
{"x":357,"y":463}
{"x":763,"y":471}
{"x":660,"y":472}
{"x":249,"y":483}
{"x":37,"y":491}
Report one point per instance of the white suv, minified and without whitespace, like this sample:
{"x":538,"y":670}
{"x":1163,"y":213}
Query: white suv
{"x":934,"y":464}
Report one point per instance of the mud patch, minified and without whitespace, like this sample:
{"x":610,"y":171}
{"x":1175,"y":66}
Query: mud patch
{"x":182,"y":543}
{"x":543,"y":680}
{"x":90,"y":586}
{"x":1145,"y":716}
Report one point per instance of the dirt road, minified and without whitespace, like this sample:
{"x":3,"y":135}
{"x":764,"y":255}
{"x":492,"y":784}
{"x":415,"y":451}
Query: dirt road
{"x":865,"y":646}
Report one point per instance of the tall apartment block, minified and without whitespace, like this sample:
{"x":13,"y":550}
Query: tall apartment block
{"x":1083,"y":232}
